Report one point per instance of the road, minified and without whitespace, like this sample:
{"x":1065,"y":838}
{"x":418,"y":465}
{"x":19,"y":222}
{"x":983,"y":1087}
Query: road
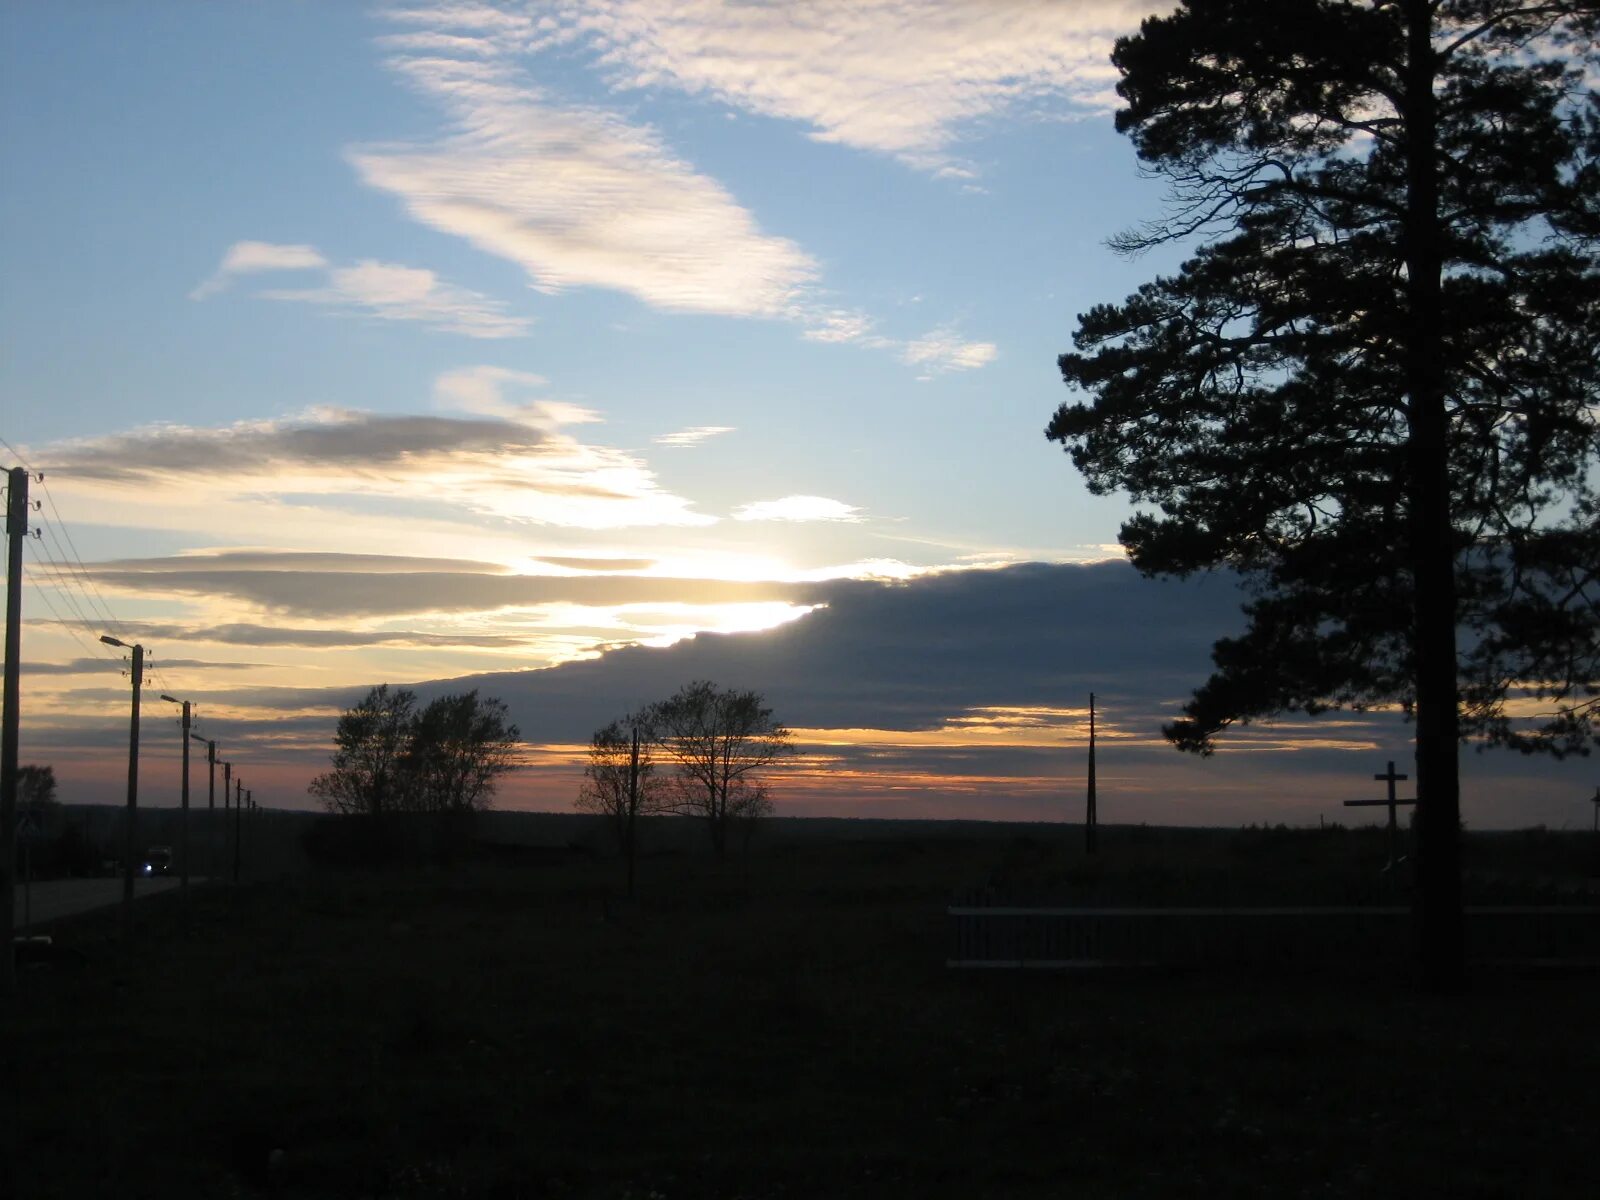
{"x":57,"y":898}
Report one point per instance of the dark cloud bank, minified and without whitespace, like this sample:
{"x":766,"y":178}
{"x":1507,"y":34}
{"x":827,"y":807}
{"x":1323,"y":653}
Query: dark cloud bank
{"x":912,"y":656}
{"x":906,"y":656}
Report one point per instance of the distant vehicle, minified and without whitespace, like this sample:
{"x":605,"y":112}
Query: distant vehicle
{"x":157,"y":861}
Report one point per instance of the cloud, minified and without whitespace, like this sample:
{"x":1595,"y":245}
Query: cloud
{"x":692,"y":436}
{"x":482,"y":390}
{"x":304,"y":562}
{"x":248,"y":258}
{"x":944,"y":350}
{"x":526,"y":470}
{"x":904,"y":80}
{"x":389,"y":292}
{"x":798,"y":508}
{"x":247,"y":634}
{"x":915,"y":654}
{"x":101,"y":666}
{"x":579,"y":197}
{"x":840,"y":326}
{"x":940,"y":350}
{"x":361,"y":589}
{"x":965,"y":693}
{"x":598,"y":564}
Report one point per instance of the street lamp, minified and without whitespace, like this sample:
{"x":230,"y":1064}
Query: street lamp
{"x":183,"y":848}
{"x":131,"y":840}
{"x":227,"y":786}
{"x":211,"y":802}
{"x":238,"y":807}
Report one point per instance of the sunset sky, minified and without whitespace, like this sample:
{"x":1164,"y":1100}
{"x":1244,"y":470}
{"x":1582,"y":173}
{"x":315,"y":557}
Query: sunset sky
{"x":514,"y":346}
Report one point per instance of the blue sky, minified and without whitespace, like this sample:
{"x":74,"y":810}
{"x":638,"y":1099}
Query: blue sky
{"x":428,"y":341}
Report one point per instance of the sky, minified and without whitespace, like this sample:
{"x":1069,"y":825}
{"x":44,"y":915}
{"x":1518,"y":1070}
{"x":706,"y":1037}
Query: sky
{"x":575,"y":351}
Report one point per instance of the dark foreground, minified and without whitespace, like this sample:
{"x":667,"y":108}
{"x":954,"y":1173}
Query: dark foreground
{"x":777,"y":1027}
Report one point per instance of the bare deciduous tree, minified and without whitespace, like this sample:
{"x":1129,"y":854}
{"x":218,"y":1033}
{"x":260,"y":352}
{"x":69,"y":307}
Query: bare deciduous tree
{"x":620,"y":783}
{"x":722,"y":742}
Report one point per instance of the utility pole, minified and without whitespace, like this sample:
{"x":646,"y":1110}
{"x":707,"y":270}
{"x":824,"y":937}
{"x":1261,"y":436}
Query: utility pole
{"x":1090,"y":817}
{"x":130,"y":839}
{"x":227,"y":790}
{"x":183,"y":847}
{"x":633,"y":809}
{"x":211,"y":800}
{"x":16,"y":530}
{"x":238,"y":804}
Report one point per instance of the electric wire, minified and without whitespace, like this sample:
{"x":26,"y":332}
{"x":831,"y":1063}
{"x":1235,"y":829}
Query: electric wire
{"x":65,"y":585}
{"x":70,"y":555}
{"x":72,"y":579}
{"x":77,"y":558}
{"x":91,"y":649}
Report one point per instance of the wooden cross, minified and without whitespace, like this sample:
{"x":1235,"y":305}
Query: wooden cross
{"x":1391,"y":778}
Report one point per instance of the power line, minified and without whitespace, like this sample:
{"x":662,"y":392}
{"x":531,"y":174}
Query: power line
{"x":78,"y":559}
{"x":71,"y":561}
{"x":72,"y":628}
{"x":61,"y":584}
{"x":15,"y":453}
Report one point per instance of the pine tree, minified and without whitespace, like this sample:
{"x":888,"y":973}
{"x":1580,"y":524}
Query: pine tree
{"x":1373,"y":389}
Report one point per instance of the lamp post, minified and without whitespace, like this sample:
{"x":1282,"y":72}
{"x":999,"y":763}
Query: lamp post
{"x":227,"y":787}
{"x":183,"y":836}
{"x":238,"y":828}
{"x":211,"y":799}
{"x":130,"y":841}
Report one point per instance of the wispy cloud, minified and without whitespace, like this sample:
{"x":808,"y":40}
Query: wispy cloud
{"x":244,"y":633}
{"x":888,"y":76}
{"x":482,"y":389}
{"x":523,"y":470}
{"x":798,"y":508}
{"x":580,"y":197}
{"x":692,"y":436}
{"x":839,"y":325}
{"x":390,"y":292}
{"x":945,"y":350}
{"x":361,"y":590}
{"x":249,"y":258}
{"x":385,"y":291}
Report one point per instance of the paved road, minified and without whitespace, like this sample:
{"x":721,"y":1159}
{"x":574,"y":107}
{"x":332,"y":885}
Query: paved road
{"x":58,"y":898}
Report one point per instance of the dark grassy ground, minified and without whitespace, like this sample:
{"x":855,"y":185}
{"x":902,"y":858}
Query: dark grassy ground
{"x":781,"y":1026}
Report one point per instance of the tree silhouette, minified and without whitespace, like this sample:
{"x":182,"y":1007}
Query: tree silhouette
{"x":459,"y":746}
{"x":621,"y":784}
{"x":722,"y":743}
{"x":390,"y":758}
{"x":1372,"y":389}
{"x":370,"y":742}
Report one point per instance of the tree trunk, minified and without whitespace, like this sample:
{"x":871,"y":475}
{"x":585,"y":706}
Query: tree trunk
{"x":1441,"y":942}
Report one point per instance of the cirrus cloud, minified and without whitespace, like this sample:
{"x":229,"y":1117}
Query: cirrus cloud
{"x":579,"y":197}
{"x":887,"y":76}
{"x":391,"y":292}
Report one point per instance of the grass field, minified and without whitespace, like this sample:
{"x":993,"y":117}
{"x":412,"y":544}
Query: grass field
{"x":777,"y":1026}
